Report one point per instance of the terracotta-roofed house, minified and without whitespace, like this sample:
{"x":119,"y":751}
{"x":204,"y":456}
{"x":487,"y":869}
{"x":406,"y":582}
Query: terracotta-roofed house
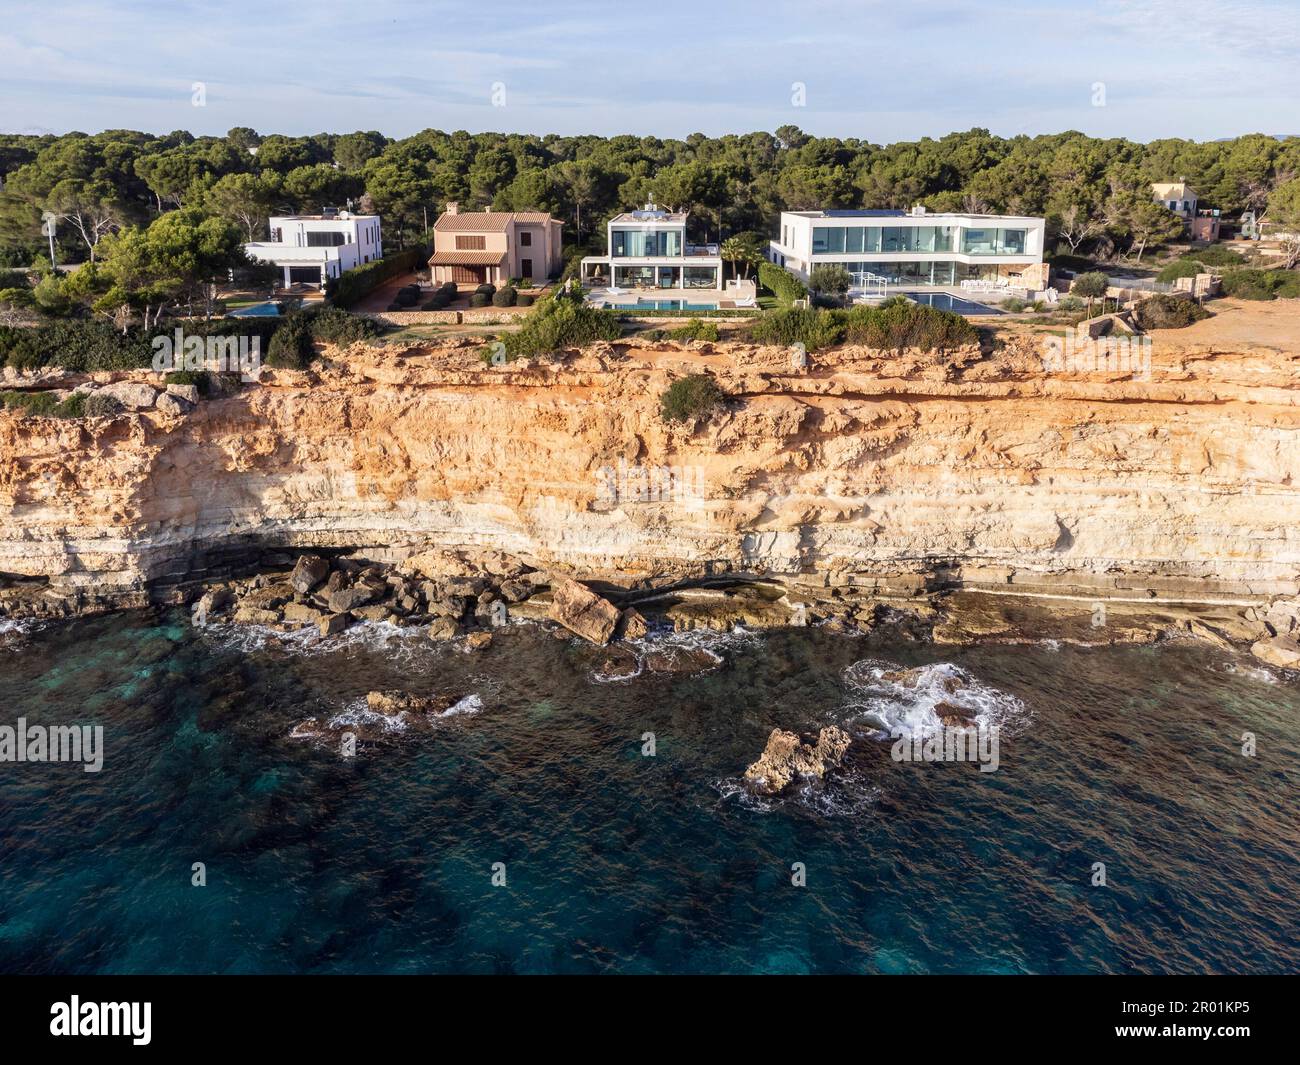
{"x":494,"y":246}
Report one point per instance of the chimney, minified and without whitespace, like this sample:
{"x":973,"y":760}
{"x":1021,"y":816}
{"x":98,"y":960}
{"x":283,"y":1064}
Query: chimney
{"x":453,"y":207}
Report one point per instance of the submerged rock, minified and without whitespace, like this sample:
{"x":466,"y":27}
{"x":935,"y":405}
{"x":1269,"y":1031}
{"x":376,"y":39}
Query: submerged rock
{"x":582,"y":611}
{"x":392,"y":703}
{"x":786,"y":757}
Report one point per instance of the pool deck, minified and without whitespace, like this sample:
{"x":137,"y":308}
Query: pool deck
{"x":619,"y":299}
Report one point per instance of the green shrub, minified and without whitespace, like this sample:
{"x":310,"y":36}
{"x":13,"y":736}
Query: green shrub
{"x":1071,"y":304}
{"x":437,"y":302}
{"x":198,"y":378}
{"x":525,"y":300}
{"x":14,"y":279}
{"x":781,"y":283}
{"x":1168,"y":311}
{"x":291,"y":346}
{"x":353,"y":284}
{"x":696,"y":329}
{"x":1012,"y":304}
{"x":1091,"y":285}
{"x":72,"y":407}
{"x":898,"y":324}
{"x":487,"y":288}
{"x":100,"y":405}
{"x":808,"y":326}
{"x":35,"y":403}
{"x":332,"y":325}
{"x":1180,"y":268}
{"x":561,"y":322}
{"x":480,"y":299}
{"x":830,"y":280}
{"x":505,"y":297}
{"x":690,"y":397}
{"x":1214,"y":255}
{"x":1261,"y":284}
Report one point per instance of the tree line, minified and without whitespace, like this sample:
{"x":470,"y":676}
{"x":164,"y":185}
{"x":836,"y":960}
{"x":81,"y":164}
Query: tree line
{"x":109,"y":191}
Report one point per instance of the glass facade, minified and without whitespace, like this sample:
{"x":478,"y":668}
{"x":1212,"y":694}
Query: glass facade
{"x":993,"y":241}
{"x":850,"y":240}
{"x":640,"y":243}
{"x":920,"y":272}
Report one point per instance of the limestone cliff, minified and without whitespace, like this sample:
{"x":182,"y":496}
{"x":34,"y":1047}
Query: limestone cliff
{"x":865,"y":469}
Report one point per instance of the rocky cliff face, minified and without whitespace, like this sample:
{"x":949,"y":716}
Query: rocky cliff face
{"x":864,"y":470}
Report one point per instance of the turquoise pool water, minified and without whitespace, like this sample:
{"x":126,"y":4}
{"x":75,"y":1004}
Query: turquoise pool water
{"x":256,"y":310}
{"x":945,"y":301}
{"x":675,"y":305}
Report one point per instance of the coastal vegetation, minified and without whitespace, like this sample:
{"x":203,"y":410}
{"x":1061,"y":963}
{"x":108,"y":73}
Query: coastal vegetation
{"x":690,"y":397}
{"x":894,"y":325}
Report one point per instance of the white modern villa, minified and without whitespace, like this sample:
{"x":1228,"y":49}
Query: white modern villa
{"x":887,"y":250}
{"x":650,"y":260}
{"x":311,"y":249}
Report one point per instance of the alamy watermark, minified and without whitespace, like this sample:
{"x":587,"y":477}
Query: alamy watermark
{"x":216,"y":354}
{"x":949,"y":743}
{"x":53,"y":743}
{"x":1077,"y":352}
{"x":648,"y":484}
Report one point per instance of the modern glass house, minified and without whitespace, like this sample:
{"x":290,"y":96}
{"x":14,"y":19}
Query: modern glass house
{"x":648,"y":250}
{"x":916,"y":249}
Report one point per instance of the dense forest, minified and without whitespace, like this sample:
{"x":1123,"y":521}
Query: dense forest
{"x":1094,"y":192}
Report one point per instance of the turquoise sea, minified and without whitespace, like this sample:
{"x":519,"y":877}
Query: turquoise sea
{"x":618,"y":861}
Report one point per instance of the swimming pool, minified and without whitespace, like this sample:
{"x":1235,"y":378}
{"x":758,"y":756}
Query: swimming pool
{"x":945,"y":301}
{"x":672,"y":305}
{"x":255,"y":310}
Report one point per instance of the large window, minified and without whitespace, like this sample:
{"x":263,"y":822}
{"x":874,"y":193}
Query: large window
{"x":470,"y":242}
{"x":993,"y":241}
{"x":849,"y":240}
{"x":326,"y":240}
{"x":700,"y":277}
{"x":640,"y":243}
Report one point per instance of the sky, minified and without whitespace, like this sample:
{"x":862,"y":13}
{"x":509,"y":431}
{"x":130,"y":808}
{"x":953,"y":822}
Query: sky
{"x":878,"y":71}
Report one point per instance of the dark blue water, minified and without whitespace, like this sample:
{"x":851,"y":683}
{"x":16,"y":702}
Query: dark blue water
{"x":616,"y":862}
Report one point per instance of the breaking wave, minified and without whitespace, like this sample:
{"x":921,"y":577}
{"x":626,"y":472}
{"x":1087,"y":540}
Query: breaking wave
{"x":900,"y":701}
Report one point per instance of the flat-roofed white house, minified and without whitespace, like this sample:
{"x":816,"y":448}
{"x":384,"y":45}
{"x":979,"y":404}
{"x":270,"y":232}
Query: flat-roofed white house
{"x":915,"y":249}
{"x":312,"y":248}
{"x":648,"y":250}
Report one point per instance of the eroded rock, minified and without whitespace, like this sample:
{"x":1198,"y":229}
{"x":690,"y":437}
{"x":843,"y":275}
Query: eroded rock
{"x":787,"y":757}
{"x":582,"y":611}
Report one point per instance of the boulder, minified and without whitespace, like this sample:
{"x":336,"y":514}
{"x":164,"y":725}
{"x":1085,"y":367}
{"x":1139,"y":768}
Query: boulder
{"x":582,"y":611}
{"x":953,"y":716}
{"x":330,"y":624}
{"x":308,"y":573}
{"x":252,"y":615}
{"x":133,"y":395}
{"x":447,"y":608}
{"x":211,"y":602}
{"x":786,"y":757}
{"x":443,"y":629}
{"x":479,"y":641}
{"x":188,"y":393}
{"x":515,"y":590}
{"x":346,"y":599}
{"x":391,"y":703}
{"x":302,"y":614}
{"x":174,"y":405}
{"x":1280,"y":651}
{"x":632,"y":625}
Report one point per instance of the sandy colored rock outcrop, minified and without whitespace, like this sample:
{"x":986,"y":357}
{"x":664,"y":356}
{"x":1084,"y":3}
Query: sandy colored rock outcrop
{"x":786,"y":757}
{"x":880,"y":473}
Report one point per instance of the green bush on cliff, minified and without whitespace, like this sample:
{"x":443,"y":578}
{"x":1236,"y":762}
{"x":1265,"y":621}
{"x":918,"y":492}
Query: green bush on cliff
{"x":44,"y":404}
{"x":330,"y":325}
{"x":696,"y":329}
{"x":809,"y":326}
{"x":1163,"y":311}
{"x":781,"y":283}
{"x":291,"y":346}
{"x":690,"y":397}
{"x":899,"y":323}
{"x":560,"y":322}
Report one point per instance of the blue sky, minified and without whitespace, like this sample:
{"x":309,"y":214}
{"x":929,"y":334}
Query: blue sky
{"x":879,"y":71}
